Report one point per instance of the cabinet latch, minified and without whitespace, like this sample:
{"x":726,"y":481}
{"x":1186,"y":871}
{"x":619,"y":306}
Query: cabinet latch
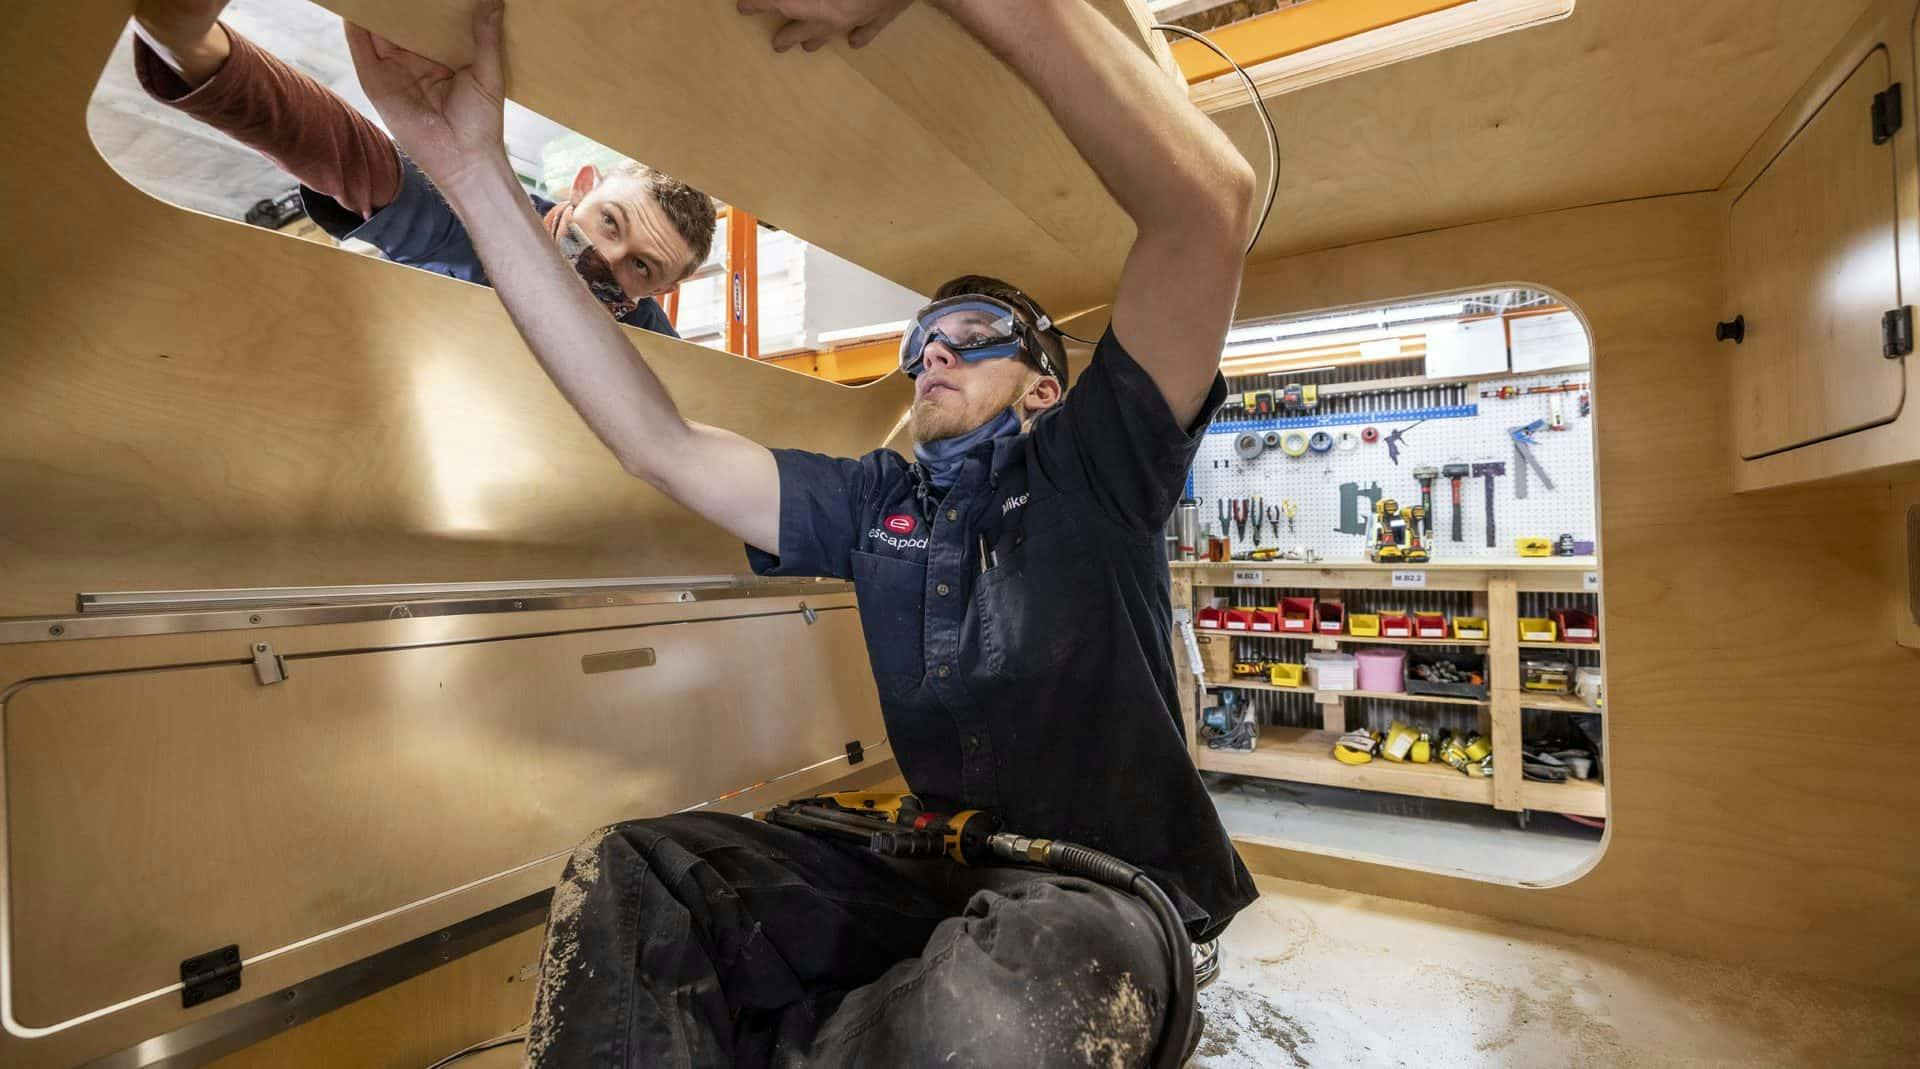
{"x":1886,"y":114}
{"x":856,"y":753}
{"x":210,"y":975}
{"x":1896,"y":332}
{"x":268,"y":667}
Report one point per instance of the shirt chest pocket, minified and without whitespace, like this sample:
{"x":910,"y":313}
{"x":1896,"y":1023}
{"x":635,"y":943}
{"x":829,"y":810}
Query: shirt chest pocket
{"x":891,"y":592}
{"x":1029,"y":603}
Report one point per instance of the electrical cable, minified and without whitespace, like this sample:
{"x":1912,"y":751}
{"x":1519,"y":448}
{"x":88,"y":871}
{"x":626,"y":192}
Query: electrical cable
{"x":1266,"y":125}
{"x":518,"y":1035}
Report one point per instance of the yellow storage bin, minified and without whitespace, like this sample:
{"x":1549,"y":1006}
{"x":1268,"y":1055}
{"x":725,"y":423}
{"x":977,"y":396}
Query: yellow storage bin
{"x":1473,"y":627}
{"x":1287,"y":675}
{"x":1537,"y":629}
{"x":1363,"y":624}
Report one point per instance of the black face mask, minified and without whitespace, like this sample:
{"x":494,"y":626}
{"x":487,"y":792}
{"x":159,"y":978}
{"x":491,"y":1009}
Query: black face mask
{"x":587,"y":262}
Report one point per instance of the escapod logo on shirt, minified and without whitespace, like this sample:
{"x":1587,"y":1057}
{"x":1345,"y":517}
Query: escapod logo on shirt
{"x":900,"y":523}
{"x":898,"y":543}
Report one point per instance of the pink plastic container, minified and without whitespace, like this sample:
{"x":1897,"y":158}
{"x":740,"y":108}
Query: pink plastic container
{"x":1383,"y":671}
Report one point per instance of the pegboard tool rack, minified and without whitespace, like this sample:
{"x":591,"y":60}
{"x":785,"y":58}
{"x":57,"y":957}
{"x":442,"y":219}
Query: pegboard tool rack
{"x":1300,"y":725}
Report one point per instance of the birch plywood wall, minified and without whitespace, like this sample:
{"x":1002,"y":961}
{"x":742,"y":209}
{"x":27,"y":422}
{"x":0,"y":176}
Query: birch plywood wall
{"x":194,"y":403}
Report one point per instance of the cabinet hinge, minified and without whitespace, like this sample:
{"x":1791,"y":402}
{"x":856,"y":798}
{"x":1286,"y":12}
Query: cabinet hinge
{"x":1886,"y":114}
{"x":268,"y":667}
{"x":856,"y":753}
{"x":1896,"y":332}
{"x":210,"y":975}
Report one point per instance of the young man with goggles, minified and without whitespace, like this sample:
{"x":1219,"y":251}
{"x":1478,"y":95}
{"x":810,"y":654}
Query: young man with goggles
{"x":1013,"y":588}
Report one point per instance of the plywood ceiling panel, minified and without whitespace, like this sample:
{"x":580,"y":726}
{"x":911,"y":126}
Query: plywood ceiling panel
{"x":919,"y":158}
{"x":1622,"y":99}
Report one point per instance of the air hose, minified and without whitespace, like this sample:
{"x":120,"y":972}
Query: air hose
{"x":1074,"y":860}
{"x":896,"y":825}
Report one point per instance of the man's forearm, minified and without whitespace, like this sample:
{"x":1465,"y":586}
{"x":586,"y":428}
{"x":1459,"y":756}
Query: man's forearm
{"x":263,"y":103}
{"x":1163,"y":161}
{"x":730,"y":480}
{"x":583,"y":350}
{"x":196,"y":47}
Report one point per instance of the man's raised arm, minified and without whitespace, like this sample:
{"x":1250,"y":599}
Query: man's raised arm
{"x":1187,"y":189}
{"x":449,"y":122}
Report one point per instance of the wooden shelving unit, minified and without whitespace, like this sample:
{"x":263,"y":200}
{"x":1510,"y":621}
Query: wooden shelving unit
{"x":1331,"y":641}
{"x":1335,"y":695}
{"x":1305,"y":755}
{"x":1302,"y":755}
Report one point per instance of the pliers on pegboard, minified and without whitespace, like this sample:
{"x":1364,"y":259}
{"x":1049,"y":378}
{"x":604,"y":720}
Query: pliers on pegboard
{"x":1240,"y":517}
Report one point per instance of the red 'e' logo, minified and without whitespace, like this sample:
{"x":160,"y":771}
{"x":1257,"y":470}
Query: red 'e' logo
{"x":900,"y":523}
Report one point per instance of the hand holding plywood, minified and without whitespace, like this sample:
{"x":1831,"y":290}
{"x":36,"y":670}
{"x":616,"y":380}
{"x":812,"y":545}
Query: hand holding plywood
{"x":919,"y":157}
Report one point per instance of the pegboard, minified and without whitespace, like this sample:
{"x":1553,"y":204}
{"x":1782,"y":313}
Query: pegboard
{"x":1464,"y":427}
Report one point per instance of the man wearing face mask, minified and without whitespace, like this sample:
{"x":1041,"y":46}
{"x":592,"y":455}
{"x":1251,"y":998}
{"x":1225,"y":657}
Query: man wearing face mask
{"x":1013,"y":588}
{"x":631,"y":234}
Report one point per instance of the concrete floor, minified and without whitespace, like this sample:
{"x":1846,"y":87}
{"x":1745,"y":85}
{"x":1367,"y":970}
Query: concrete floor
{"x":1423,"y":832}
{"x":1318,"y":977}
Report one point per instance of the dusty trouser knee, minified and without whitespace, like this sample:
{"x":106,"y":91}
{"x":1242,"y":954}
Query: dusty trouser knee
{"x":1052,"y":971}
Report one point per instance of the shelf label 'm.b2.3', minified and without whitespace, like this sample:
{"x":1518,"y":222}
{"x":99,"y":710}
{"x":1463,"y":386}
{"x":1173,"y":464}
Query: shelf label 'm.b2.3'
{"x":1409,"y":580}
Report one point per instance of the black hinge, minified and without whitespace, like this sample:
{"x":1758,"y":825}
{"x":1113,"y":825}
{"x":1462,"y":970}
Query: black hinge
{"x":855,"y":752}
{"x":1886,"y":114}
{"x":210,"y":975}
{"x":1896,"y":332}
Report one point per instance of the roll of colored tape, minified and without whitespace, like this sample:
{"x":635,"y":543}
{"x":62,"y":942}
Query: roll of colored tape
{"x":1370,"y":435}
{"x":1321,"y":442}
{"x":1272,"y":438}
{"x":1293,"y":444}
{"x":1248,"y":446}
{"x":1349,"y":441}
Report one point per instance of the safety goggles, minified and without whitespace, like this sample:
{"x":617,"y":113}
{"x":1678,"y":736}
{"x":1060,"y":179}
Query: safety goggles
{"x":994,"y":332}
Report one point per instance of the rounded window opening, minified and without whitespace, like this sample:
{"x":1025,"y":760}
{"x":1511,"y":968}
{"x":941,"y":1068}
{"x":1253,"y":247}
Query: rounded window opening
{"x":239,"y":135}
{"x":1388,"y":550}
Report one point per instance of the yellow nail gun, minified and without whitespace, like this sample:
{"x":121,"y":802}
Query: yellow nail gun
{"x":891,"y":823}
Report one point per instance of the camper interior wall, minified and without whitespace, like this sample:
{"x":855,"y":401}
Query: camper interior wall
{"x":1758,"y":799}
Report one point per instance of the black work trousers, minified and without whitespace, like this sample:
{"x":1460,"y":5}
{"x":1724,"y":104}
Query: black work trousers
{"x":714,"y":940}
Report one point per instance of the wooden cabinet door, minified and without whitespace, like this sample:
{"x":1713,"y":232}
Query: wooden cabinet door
{"x":1814,"y":267}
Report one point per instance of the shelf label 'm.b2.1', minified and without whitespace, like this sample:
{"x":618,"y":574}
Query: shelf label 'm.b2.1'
{"x":1409,"y":580}
{"x":1247,"y":577}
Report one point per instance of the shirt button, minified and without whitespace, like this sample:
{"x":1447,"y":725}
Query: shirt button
{"x":973,"y":743}
{"x":952,"y":515}
{"x":946,"y":670}
{"x":941,"y":590}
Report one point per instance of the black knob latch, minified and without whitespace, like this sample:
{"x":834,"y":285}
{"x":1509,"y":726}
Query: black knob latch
{"x":1733,"y":330}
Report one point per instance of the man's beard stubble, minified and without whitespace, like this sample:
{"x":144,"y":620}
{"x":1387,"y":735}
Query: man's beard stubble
{"x":933,"y":423}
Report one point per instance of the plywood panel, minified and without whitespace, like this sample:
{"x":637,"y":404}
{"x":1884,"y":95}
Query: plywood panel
{"x":1814,"y":264}
{"x":249,"y":409}
{"x":1622,"y":99}
{"x":154,"y":815}
{"x":1752,"y":815}
{"x":920,"y":157}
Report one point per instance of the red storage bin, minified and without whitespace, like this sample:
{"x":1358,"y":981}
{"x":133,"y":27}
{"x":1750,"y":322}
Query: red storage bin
{"x":1331,"y":617}
{"x":1265,"y":620}
{"x":1296,"y":614}
{"x":1237,"y":619}
{"x":1211,"y":619}
{"x":1576,"y":625}
{"x":1430,"y":625}
{"x":1396,"y":625}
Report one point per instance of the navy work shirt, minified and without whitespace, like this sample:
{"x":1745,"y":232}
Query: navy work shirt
{"x":1040,"y":686}
{"x":419,"y":229}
